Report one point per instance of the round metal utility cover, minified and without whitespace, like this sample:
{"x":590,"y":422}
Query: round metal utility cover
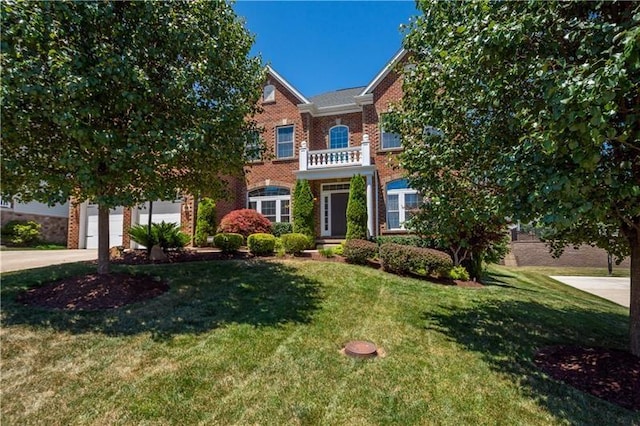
{"x":360,"y":349}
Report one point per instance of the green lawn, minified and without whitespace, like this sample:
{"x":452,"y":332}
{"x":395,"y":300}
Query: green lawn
{"x":253,"y":342}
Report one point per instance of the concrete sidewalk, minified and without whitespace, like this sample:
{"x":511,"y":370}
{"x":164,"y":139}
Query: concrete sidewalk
{"x":16,"y":260}
{"x":617,"y":290}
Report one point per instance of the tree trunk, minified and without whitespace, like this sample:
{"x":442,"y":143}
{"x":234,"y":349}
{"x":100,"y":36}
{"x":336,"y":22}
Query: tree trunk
{"x":634,"y":314}
{"x":103,"y":239}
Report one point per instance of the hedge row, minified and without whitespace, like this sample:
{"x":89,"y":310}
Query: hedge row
{"x":359,"y":251}
{"x":262,"y":244}
{"x":401,"y":259}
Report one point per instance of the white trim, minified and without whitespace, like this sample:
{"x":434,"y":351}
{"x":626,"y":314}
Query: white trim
{"x":286,"y":84}
{"x":385,"y":71}
{"x":348,"y":136}
{"x":325,"y":206}
{"x":330,"y":110}
{"x":293,"y":141}
{"x":335,"y":173}
{"x":402,"y":212}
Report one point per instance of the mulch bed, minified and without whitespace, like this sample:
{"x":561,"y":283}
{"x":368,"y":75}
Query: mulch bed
{"x":608,"y":374}
{"x":94,"y":292}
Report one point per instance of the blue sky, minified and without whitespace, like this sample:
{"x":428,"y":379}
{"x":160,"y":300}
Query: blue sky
{"x":320,"y":46}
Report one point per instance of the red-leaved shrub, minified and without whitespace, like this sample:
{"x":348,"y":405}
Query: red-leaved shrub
{"x":245,"y":222}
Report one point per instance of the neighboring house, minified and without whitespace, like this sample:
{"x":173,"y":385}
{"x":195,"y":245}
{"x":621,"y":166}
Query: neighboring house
{"x":54,"y":219}
{"x":325,"y":139}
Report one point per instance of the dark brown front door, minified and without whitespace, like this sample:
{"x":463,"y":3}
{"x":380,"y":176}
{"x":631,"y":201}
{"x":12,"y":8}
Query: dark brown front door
{"x":339,"y":214}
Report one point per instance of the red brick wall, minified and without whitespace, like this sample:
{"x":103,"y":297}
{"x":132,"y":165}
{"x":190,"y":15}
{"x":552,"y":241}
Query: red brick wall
{"x":73,"y":238}
{"x":320,"y":127}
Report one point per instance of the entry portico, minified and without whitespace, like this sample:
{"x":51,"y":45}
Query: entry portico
{"x":338,"y":166}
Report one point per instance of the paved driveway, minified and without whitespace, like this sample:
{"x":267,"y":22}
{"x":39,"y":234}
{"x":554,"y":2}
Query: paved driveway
{"x":11,"y":260}
{"x":617,"y":290}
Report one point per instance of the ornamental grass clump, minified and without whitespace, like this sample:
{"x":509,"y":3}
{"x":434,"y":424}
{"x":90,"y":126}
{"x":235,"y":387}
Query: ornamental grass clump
{"x":261,"y":244}
{"x":164,"y":234}
{"x":404,"y":260}
{"x":359,"y":251}
{"x":228,"y":242}
{"x":244,"y":222}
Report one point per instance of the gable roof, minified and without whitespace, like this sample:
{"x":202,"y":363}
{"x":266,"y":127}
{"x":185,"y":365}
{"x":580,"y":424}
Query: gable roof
{"x":339,"y":101}
{"x":288,"y":85}
{"x":384,"y":72}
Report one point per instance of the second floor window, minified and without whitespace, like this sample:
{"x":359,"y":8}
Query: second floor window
{"x":253,"y":147}
{"x":339,"y":137}
{"x":284,"y":142}
{"x":388,"y":139}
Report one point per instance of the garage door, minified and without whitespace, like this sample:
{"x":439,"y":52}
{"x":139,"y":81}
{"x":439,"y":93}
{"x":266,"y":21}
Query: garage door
{"x":115,"y":226}
{"x":167,"y":211}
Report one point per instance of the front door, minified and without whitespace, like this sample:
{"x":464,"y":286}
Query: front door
{"x":339,"y":201}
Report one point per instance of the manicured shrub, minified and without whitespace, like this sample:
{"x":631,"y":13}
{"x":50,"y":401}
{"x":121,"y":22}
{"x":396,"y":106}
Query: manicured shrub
{"x":295,"y":243}
{"x":405,"y":240}
{"x":459,"y":273}
{"x":357,"y":209}
{"x":303,"y":219}
{"x":164,"y":234}
{"x":261,"y":244}
{"x":244,"y":222}
{"x":402,"y":260}
{"x":21,"y":232}
{"x":228,"y":242}
{"x":359,"y":251}
{"x":279,"y":247}
{"x":206,"y":222}
{"x":339,"y":250}
{"x":280,"y":228}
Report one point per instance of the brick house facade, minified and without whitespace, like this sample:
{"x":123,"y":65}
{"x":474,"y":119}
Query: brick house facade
{"x":325,"y":139}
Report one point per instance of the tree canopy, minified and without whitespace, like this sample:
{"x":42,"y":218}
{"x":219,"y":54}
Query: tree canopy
{"x":538,"y":103}
{"x":123,"y":102}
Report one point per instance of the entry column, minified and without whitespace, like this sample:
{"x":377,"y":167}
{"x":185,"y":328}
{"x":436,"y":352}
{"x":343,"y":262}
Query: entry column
{"x":370,"y":215}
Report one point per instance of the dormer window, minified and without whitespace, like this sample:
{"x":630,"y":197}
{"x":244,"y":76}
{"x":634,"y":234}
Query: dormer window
{"x":339,"y":137}
{"x":269,"y":93}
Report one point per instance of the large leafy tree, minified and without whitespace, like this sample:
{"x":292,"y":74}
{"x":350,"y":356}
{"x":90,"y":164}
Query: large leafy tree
{"x":123,"y":102}
{"x":540,"y":102}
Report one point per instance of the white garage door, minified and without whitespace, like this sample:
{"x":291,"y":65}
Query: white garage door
{"x":167,"y":211}
{"x":115,"y":226}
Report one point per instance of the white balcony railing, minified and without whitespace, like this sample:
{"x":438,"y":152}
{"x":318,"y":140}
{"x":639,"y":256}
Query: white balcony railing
{"x":328,"y":158}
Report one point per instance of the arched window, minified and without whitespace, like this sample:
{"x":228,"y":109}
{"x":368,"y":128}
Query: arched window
{"x":269,"y":93}
{"x":402,"y":202}
{"x":272,"y":201}
{"x":339,"y":137}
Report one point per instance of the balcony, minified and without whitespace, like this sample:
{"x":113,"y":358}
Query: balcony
{"x":335,"y":158}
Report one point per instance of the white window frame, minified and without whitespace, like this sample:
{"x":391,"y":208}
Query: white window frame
{"x":269,"y":93}
{"x":253,"y":143}
{"x":265,"y":198}
{"x":348,"y":136}
{"x":293,"y":141}
{"x":6,"y":204}
{"x":402,"y":212}
{"x":383,"y":132}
